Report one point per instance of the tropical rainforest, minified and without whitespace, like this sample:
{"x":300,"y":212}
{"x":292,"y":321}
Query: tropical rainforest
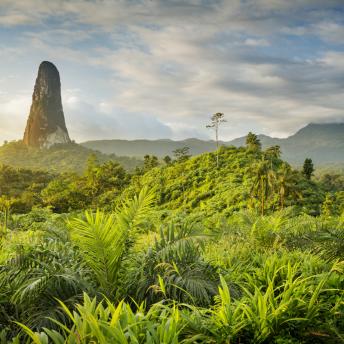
{"x":231,"y":246}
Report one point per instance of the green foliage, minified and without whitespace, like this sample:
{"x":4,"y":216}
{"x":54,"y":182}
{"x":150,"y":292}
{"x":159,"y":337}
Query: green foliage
{"x":323,"y":142}
{"x":22,"y":186}
{"x":98,"y":323}
{"x":243,"y":180}
{"x":59,"y":158}
{"x":253,"y":143}
{"x":280,"y":304}
{"x":150,"y":162}
{"x":99,"y":186}
{"x":333,"y":204}
{"x":63,"y":194}
{"x":332,"y":182}
{"x":103,"y":238}
{"x":167,"y":159}
{"x":182,"y":154}
{"x":263,"y":182}
{"x":286,"y":181}
{"x":330,"y":244}
{"x":176,"y":260}
{"x":283,"y":305}
{"x":273,"y":152}
{"x":308,"y":168}
{"x":35,"y":275}
{"x":235,"y":254}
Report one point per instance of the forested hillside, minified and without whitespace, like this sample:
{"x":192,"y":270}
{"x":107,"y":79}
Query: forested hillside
{"x":242,"y":180}
{"x":230,"y":246}
{"x":58,"y":158}
{"x":323,"y":143}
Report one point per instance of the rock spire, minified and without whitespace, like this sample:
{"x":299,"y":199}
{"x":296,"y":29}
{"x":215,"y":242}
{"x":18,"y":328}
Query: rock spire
{"x":46,"y":123}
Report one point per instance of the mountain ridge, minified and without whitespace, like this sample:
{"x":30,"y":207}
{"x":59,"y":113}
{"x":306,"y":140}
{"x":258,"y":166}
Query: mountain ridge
{"x":324,"y":143}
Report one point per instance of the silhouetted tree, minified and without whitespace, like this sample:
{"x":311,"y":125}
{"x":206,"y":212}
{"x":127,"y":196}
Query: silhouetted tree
{"x":149,"y":162}
{"x":308,"y":168}
{"x":167,"y":159}
{"x":216,"y":120}
{"x":182,"y":154}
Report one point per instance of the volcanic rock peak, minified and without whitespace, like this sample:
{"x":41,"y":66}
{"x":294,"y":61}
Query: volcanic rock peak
{"x":46,"y":123}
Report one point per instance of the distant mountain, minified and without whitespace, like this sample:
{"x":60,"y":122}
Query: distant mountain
{"x":324,"y":143}
{"x":139,"y":148}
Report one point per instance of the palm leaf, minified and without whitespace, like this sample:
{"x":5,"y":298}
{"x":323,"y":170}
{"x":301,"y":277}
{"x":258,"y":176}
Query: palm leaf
{"x":104,"y":238}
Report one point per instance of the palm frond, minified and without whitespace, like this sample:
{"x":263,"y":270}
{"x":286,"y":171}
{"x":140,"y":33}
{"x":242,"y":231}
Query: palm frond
{"x":104,"y":238}
{"x":176,"y":259}
{"x":330,"y":244}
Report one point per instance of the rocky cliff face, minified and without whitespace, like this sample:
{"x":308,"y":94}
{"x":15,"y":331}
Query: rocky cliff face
{"x":46,"y":123}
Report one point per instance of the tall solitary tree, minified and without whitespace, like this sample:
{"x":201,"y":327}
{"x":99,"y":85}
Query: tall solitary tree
{"x":216,"y":120}
{"x":308,"y":168}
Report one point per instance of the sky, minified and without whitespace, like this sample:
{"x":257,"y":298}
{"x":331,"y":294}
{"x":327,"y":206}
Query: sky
{"x":159,"y":69}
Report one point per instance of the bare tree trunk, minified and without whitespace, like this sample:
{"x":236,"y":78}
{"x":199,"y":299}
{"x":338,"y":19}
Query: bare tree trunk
{"x":217,"y":144}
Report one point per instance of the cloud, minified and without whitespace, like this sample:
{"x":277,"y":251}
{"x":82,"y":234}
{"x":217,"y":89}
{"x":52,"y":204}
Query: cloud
{"x":88,"y":121}
{"x":14,"y":19}
{"x":161,"y":68}
{"x":333,"y":59}
{"x":256,"y":42}
{"x":330,"y":31}
{"x":12,"y":117}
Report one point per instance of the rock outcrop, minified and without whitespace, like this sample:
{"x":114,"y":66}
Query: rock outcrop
{"x":46,"y":123}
